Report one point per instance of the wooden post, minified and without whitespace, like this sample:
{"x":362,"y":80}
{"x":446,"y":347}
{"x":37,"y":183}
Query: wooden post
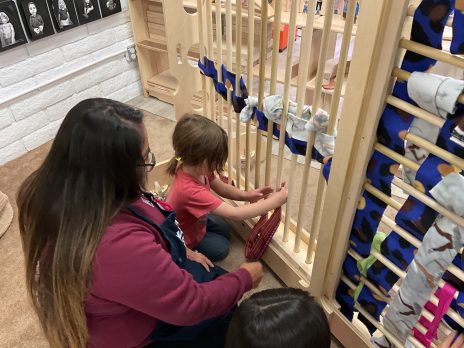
{"x":305,"y":55}
{"x":262,"y":74}
{"x":202,"y":54}
{"x":332,"y":119}
{"x":317,"y":97}
{"x":229,"y":93}
{"x":229,"y":135}
{"x":379,"y":29}
{"x":211,"y":90}
{"x":250,"y":57}
{"x":177,"y":53}
{"x":274,"y":63}
{"x":219,"y":58}
{"x":238,"y":74}
{"x":416,"y":111}
{"x":288,"y":71}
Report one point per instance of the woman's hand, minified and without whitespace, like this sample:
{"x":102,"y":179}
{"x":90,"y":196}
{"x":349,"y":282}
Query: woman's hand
{"x":256,"y":272}
{"x":200,"y":258}
{"x":458,"y":343}
{"x":256,"y":195}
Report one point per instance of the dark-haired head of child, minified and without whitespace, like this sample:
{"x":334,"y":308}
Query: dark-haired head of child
{"x":276,"y":318}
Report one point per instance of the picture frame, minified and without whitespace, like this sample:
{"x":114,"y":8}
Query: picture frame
{"x":110,"y":7}
{"x":87,"y":10}
{"x":64,"y":14}
{"x":11,"y":30}
{"x":36,"y":18}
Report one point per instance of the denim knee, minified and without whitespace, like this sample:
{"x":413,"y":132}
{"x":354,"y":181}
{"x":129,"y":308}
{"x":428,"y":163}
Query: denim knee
{"x":221,"y":251}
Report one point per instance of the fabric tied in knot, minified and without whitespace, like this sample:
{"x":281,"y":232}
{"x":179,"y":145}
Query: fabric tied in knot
{"x":247,"y":112}
{"x":324,"y":143}
{"x":297,"y":127}
{"x":434,"y":93}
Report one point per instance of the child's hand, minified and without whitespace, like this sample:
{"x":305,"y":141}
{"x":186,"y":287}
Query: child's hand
{"x":256,"y":195}
{"x":281,"y":195}
{"x":458,"y":343}
{"x":200,"y":258}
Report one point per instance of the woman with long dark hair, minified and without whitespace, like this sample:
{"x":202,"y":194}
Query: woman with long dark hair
{"x":105,"y":262}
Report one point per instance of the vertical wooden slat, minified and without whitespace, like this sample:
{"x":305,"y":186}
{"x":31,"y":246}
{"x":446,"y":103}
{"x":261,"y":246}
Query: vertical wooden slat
{"x":229,"y":94}
{"x":250,"y":58}
{"x":317,"y":98}
{"x":272,"y":88}
{"x":238,"y":74}
{"x":209,"y":35}
{"x":229,"y":133}
{"x":229,"y":35}
{"x":219,"y":59}
{"x":275,"y":46}
{"x":288,"y":73}
{"x":202,"y":54}
{"x":262,"y":76}
{"x":291,"y":192}
{"x":332,"y":120}
{"x":305,"y":55}
{"x":344,"y":50}
{"x":316,"y":214}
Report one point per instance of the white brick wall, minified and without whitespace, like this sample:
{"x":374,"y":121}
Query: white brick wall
{"x":29,"y":121}
{"x":6,"y":118}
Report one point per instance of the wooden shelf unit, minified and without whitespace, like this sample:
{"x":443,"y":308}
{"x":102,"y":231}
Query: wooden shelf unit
{"x":149,"y":24}
{"x":163,"y":86}
{"x":152,"y":45}
{"x":150,"y":34}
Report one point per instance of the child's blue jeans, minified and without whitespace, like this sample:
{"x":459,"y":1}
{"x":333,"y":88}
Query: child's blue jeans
{"x":215,"y":244}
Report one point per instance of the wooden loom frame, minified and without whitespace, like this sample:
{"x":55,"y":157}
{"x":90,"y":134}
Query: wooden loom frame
{"x":372,"y":73}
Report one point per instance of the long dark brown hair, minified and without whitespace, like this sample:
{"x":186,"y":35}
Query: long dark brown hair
{"x":65,"y":206}
{"x":197,"y":139}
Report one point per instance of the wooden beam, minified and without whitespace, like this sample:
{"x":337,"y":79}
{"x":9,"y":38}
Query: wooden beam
{"x":379,"y":29}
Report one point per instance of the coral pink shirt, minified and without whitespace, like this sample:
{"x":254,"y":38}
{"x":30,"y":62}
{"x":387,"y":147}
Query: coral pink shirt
{"x":192,"y":200}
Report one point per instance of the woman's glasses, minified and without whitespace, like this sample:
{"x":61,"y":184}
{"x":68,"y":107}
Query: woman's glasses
{"x":150,"y":161}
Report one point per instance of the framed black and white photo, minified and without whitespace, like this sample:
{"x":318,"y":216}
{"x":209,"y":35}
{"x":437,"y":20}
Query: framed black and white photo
{"x":64,"y":14}
{"x":36,"y":18}
{"x":87,"y":10}
{"x":11,"y":30}
{"x":109,"y":7}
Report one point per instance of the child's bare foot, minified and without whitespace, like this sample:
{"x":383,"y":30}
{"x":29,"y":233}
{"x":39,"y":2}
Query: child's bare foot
{"x":329,"y":86}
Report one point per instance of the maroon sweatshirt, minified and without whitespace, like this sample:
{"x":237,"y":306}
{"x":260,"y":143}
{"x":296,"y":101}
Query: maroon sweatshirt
{"x":135,"y":283}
